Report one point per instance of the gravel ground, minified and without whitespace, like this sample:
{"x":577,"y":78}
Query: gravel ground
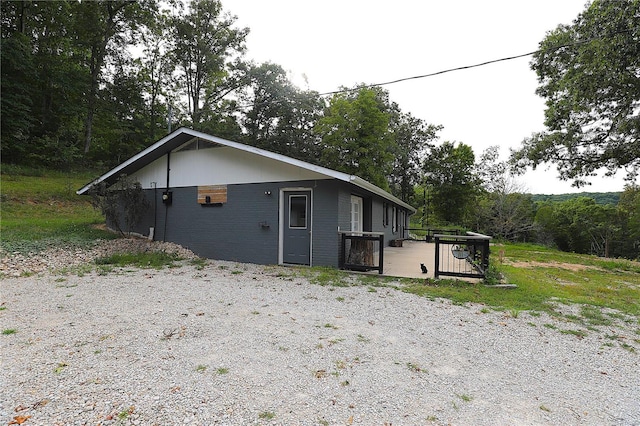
{"x":240,"y":344}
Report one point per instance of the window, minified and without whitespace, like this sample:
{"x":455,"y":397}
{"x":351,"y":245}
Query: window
{"x":385,"y":214}
{"x":356,"y":214}
{"x":394,"y":220}
{"x":298,"y":211}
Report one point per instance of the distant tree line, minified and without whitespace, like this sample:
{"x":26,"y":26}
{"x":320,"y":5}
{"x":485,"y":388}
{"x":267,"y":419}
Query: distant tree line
{"x":599,"y":197}
{"x":483,"y":196}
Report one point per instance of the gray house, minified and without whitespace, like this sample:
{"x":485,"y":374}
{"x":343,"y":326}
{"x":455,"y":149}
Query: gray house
{"x":229,"y":201}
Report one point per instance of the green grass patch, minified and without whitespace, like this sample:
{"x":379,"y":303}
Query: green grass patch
{"x":41,"y":210}
{"x":555,"y":278}
{"x":156,"y":260}
{"x":267,"y":415}
{"x":326,"y":276}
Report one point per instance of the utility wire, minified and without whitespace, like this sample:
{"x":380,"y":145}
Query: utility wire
{"x":366,"y":86}
{"x":508,"y":58}
{"x":481,"y":64}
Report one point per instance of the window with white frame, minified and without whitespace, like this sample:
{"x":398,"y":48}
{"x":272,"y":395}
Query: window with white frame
{"x":394,"y":220}
{"x":356,"y":213}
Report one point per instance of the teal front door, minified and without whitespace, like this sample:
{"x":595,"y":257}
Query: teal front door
{"x":297,"y":227}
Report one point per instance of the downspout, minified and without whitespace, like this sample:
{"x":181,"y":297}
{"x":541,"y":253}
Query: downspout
{"x":166,"y":205}
{"x":155,"y":208}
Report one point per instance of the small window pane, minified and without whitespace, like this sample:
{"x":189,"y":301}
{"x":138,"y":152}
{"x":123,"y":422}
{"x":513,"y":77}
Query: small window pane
{"x":298,"y":211}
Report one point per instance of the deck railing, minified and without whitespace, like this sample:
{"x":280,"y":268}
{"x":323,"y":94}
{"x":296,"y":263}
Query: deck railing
{"x":362,"y":251}
{"x":429,"y":233}
{"x":462,"y":255}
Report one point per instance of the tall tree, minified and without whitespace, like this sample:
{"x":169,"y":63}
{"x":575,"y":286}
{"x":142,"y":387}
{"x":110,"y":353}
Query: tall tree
{"x":156,"y":68}
{"x":450,"y":176}
{"x":355,"y":135}
{"x":42,"y":83}
{"x":102,"y":28}
{"x":589,"y":75}
{"x":280,"y":117}
{"x":413,"y":137}
{"x":505,"y":211}
{"x":208,"y":50}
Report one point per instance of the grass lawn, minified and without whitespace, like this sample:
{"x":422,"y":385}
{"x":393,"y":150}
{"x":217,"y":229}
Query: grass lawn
{"x":40,"y":210}
{"x":545,"y":279}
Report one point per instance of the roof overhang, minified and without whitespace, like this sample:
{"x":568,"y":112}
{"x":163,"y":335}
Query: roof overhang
{"x":183,"y":135}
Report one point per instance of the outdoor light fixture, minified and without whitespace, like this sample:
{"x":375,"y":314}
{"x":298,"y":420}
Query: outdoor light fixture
{"x":267,"y":192}
{"x":167,"y":197}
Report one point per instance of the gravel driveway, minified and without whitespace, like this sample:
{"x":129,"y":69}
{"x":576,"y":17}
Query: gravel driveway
{"x":242,"y":344}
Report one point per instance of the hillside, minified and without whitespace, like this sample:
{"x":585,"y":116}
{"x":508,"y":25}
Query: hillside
{"x":599,"y":197}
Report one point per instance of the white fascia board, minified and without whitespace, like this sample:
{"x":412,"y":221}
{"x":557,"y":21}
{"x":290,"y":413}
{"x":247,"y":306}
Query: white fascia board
{"x":368,"y":186}
{"x":381,"y":192}
{"x":132,"y":160}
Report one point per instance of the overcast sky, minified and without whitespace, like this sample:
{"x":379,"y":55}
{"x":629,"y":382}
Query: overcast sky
{"x":332,"y":43}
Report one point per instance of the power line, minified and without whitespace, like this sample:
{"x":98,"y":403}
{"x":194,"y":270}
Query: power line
{"x":366,"y":86}
{"x":481,"y":64}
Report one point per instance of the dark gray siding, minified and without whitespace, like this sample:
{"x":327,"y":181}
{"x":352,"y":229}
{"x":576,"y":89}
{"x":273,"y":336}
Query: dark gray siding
{"x":326,"y":241}
{"x":233,"y":231}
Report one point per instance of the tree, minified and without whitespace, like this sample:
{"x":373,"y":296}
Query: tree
{"x":505,"y":211}
{"x":450,"y":176}
{"x":579,"y":225}
{"x":208,"y":51}
{"x":629,"y":211}
{"x":18,"y":73}
{"x":156,"y":68}
{"x":412,"y":137}
{"x":355,"y":135}
{"x":101,"y":27}
{"x":589,"y":75}
{"x":42,"y":83}
{"x":281,"y":116}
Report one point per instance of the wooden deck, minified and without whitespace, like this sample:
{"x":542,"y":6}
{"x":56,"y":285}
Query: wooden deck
{"x":405,"y":261}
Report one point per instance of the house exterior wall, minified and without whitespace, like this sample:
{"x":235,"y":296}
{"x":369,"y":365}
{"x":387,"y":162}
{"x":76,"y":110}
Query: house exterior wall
{"x":233,"y":231}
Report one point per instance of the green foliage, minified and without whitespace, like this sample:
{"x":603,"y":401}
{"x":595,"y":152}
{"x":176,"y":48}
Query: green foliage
{"x":355,"y":135}
{"x":64,"y":107}
{"x":281,"y":116}
{"x":207,"y":48}
{"x":589,"y":74}
{"x":155,"y":260}
{"x":452,"y":182}
{"x":579,"y":225}
{"x":413,"y":138}
{"x":122,"y":203}
{"x":599,"y":197}
{"x":40,"y":210}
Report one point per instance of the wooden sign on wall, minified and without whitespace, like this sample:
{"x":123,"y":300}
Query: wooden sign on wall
{"x":212,"y":194}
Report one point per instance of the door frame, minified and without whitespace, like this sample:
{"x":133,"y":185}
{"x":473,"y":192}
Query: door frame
{"x":281,"y":221}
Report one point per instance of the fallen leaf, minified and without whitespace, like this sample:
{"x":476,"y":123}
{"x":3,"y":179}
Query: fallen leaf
{"x":350,"y":421}
{"x":18,"y":420}
{"x":20,"y":408}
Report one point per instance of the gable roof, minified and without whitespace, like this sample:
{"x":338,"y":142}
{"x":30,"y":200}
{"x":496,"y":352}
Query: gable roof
{"x":183,"y":135}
